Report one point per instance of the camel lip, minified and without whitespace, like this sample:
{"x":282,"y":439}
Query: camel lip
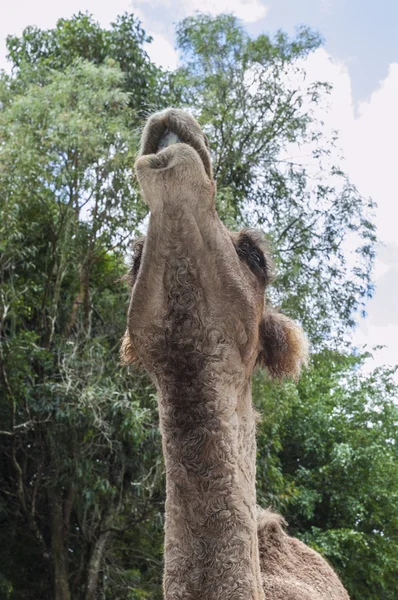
{"x":159,"y":137}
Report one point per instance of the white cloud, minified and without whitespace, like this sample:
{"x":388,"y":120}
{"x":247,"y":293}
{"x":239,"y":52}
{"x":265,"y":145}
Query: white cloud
{"x":369,"y":143}
{"x":249,"y":11}
{"x":161,"y":52}
{"x":373,"y":152}
{"x":368,"y":136}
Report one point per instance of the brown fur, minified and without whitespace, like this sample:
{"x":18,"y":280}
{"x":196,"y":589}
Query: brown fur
{"x":284,"y":346}
{"x":199,"y":324}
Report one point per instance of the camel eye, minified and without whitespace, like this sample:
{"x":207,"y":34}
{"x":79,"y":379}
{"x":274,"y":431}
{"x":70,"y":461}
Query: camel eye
{"x":252,"y":255}
{"x":257,"y":258}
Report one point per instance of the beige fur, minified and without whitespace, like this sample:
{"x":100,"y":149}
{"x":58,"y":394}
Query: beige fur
{"x":290,"y":570}
{"x":199,"y":323}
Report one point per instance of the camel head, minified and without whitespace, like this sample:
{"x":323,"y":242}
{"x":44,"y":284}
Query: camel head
{"x":198,"y":298}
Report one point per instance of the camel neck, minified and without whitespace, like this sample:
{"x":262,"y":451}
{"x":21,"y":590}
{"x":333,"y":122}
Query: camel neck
{"x":211,"y":546}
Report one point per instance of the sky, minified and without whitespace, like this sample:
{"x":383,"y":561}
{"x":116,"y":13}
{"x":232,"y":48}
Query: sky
{"x":359,"y":57}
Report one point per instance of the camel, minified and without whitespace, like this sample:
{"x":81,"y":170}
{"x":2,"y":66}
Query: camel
{"x":199,"y":323}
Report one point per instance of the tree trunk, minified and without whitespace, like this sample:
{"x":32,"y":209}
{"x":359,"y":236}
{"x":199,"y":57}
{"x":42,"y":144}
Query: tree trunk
{"x":94,"y":566}
{"x":59,"y":548}
{"x":86,"y":297}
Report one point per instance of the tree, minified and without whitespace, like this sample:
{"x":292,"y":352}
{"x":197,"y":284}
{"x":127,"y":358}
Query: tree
{"x":251,"y":97}
{"x":73,"y":433}
{"x":328,"y":460}
{"x":39,"y":51}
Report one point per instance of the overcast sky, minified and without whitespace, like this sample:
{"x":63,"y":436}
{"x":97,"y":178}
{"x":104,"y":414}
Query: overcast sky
{"x":360,"y":58}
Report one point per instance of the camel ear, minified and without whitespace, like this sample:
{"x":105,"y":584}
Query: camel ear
{"x":128,"y":355}
{"x":283,"y":346}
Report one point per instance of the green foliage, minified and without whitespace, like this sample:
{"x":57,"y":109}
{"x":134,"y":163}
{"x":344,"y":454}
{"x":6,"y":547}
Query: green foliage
{"x":328,"y":460}
{"x":5,"y":588}
{"x":81,"y":468}
{"x":38,"y":50}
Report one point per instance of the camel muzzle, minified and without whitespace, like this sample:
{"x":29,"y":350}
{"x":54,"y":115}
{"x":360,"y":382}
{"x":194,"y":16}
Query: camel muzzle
{"x":170,"y":127}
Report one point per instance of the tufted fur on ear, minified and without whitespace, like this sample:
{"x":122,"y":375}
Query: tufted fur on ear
{"x":128,"y":354}
{"x":283,"y":346}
